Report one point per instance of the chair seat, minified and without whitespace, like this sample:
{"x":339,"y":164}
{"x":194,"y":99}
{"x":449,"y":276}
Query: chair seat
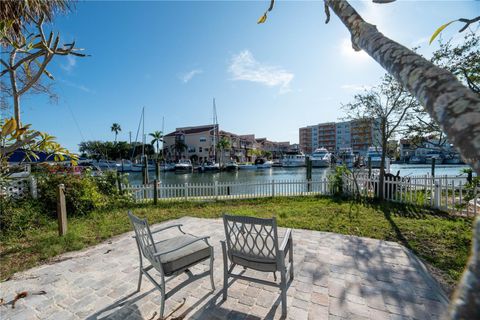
{"x":182,"y":258}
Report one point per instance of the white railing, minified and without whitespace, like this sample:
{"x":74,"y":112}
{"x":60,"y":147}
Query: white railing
{"x":440,"y":192}
{"x":228,"y":190}
{"x":448,"y":193}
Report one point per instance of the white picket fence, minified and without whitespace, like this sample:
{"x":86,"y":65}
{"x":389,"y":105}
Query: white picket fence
{"x":228,"y":190}
{"x":440,"y":192}
{"x":448,"y":193}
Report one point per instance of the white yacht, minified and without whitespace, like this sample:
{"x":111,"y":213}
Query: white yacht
{"x":184,"y":165}
{"x":246,"y":166}
{"x":262,"y":163}
{"x":321,"y":158}
{"x":375,"y":155}
{"x":433,"y":155}
{"x":345,"y":156}
{"x":211,"y":166}
{"x":293,"y":159}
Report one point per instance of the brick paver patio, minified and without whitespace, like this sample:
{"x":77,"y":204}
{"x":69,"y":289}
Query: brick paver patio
{"x":336,"y":277}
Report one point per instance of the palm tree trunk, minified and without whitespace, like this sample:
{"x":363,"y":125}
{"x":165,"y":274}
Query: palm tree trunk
{"x":453,"y":106}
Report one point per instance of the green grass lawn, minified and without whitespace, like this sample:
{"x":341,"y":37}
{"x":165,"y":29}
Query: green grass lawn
{"x":441,"y":240}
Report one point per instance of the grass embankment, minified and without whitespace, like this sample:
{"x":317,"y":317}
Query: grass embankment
{"x":441,"y":240}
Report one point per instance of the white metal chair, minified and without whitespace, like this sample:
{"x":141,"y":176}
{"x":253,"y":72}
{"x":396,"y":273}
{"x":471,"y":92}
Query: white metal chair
{"x":170,"y":257}
{"x":254,"y":243}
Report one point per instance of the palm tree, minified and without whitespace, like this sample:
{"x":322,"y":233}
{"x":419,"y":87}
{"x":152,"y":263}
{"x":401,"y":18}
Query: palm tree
{"x":223,"y":144}
{"x":157,"y":138}
{"x":180,"y":146}
{"x":115,"y":128}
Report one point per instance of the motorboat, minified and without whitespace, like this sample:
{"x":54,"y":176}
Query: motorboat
{"x":210,"y":166}
{"x":375,"y":156}
{"x":247,"y":166}
{"x":416,"y":160}
{"x":277,"y":163}
{"x":345,"y":156}
{"x":184,"y":165}
{"x":106,"y":164}
{"x":453,"y":159}
{"x":263,"y":163}
{"x":433,"y":155}
{"x":321,"y":158}
{"x":231,"y":166}
{"x":293,"y":159}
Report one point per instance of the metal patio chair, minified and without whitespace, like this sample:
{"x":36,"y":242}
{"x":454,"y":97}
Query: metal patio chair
{"x":254,"y":243}
{"x":170,"y":257}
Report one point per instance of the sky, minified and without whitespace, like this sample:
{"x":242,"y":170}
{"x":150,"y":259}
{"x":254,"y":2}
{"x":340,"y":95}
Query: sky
{"x":173,"y":58}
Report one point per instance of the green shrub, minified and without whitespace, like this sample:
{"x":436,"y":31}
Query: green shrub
{"x":335,"y":180}
{"x":21,"y":215}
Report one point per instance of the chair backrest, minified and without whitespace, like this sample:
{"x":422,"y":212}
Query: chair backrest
{"x":143,"y":236}
{"x":251,"y":238}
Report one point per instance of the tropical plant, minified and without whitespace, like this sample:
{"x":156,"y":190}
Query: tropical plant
{"x":116,"y":129}
{"x":223,"y":144}
{"x":157,"y":137}
{"x":179,"y":147}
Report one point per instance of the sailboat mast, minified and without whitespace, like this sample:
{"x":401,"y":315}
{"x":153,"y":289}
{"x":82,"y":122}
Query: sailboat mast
{"x":143,"y":132}
{"x":214,"y":130}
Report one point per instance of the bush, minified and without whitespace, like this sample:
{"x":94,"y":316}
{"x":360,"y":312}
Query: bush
{"x":83,"y":193}
{"x":19,"y":216}
{"x":335,"y":180}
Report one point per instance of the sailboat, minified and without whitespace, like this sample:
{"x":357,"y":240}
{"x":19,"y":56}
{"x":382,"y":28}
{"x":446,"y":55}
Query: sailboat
{"x":213,"y":165}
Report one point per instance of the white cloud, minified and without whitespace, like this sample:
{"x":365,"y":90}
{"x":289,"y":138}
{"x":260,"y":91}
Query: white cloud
{"x":243,"y":66}
{"x":76,"y":85}
{"x":71,"y":62}
{"x":347,"y":50}
{"x":356,"y":87}
{"x":186,"y":77}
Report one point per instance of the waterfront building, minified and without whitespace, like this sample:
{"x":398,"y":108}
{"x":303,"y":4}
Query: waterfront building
{"x":356,"y":134}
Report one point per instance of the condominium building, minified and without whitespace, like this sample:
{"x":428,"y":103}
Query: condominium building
{"x":356,"y":134}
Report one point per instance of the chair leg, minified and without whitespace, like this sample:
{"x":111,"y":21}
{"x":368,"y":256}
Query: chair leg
{"x":140,"y":268}
{"x":225,"y":271}
{"x":283,"y":289}
{"x":290,"y":258}
{"x":211,"y":268}
{"x":162,"y":303}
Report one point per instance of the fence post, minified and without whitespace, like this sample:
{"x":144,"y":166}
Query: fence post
{"x":433,"y":167}
{"x":216,"y":190}
{"x":186,"y":191}
{"x":119,"y":183}
{"x":437,"y":194}
{"x":61,"y":210}
{"x":273,"y":188}
{"x":155,"y":191}
{"x":369,"y":167}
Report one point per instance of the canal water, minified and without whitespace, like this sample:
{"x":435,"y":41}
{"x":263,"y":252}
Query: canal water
{"x":285,"y":174}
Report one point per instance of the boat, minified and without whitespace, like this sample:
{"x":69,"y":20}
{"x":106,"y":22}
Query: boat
{"x":345,"y":156}
{"x":210,"y":166}
{"x":433,"y":155}
{"x":321,"y":158}
{"x":263,"y":163}
{"x":106,"y":164}
{"x":184,"y":165}
{"x":416,"y":160}
{"x":231,"y":166}
{"x":293,"y":159}
{"x":453,"y":159}
{"x":375,"y":156}
{"x":246,"y":166}
{"x":277,"y":163}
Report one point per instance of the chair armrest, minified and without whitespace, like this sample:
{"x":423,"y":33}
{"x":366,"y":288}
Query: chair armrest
{"x":182,"y":246}
{"x":179,"y":226}
{"x":288,"y":236}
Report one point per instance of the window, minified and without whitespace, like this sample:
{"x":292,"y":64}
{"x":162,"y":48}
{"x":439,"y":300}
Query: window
{"x":200,"y":149}
{"x":203,"y":139}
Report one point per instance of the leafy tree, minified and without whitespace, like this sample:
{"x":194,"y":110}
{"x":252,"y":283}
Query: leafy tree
{"x":454,"y":107}
{"x":157,"y":137}
{"x":29,"y":51}
{"x":389,"y":105}
{"x":116,"y":129}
